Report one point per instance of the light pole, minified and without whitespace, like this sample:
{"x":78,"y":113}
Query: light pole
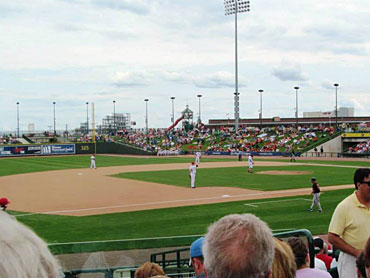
{"x":114,"y":116}
{"x":173,"y":110}
{"x":87,"y":118}
{"x":235,"y":7}
{"x":260,"y":91}
{"x":17,"y":119}
{"x":296,"y":105}
{"x":336,"y":106}
{"x":199,"y":119}
{"x":55,"y":132}
{"x":146,"y":114}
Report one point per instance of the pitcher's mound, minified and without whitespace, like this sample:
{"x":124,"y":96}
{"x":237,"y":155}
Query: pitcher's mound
{"x":284,"y":172}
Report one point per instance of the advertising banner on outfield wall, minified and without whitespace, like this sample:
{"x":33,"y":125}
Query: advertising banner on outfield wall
{"x":37,"y":150}
{"x":58,"y":149}
{"x":20,"y":150}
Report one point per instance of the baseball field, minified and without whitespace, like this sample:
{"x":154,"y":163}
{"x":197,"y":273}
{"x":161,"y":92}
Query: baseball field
{"x":146,"y":202}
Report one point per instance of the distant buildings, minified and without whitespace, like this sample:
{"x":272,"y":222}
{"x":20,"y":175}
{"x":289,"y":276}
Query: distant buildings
{"x":342,"y":112}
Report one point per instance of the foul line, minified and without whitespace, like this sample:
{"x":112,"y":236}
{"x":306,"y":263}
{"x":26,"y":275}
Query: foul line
{"x":122,"y":240}
{"x":142,"y":239}
{"x":159,"y":203}
{"x":277,"y":201}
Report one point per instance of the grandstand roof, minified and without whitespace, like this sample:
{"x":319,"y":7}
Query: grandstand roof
{"x":287,"y":121}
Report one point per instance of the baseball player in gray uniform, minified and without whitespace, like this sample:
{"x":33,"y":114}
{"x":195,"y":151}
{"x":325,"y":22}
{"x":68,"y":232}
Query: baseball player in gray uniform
{"x":316,"y":195}
{"x":197,"y":157}
{"x":250,"y":163}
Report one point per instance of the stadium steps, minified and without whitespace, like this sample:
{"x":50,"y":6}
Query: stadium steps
{"x":321,"y":142}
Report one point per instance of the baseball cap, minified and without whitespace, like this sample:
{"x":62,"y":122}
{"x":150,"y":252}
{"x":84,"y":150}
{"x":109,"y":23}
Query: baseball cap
{"x":196,"y":248}
{"x":313,"y":178}
{"x":318,"y":243}
{"x":4,"y":201}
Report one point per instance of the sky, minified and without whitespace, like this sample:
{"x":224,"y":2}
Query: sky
{"x":75,"y":51}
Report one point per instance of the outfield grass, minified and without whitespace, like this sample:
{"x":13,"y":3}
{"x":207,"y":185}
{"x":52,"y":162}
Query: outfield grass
{"x":13,"y":166}
{"x":280,"y":213}
{"x":182,"y":221}
{"x":329,"y":162}
{"x":239,"y":177}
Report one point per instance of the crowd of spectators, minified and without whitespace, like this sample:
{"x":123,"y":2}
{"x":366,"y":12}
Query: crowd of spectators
{"x":7,"y":139}
{"x":272,"y":139}
{"x":363,"y":147}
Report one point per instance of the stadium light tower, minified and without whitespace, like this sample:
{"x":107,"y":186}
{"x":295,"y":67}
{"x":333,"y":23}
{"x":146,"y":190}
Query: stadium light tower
{"x":336,"y":106}
{"x":296,"y":105}
{"x":199,"y":118}
{"x":233,"y":7}
{"x":114,"y":116}
{"x":173,"y":110}
{"x":17,"y":119}
{"x":260,"y":91}
{"x":146,"y":115}
{"x":55,"y":132}
{"x":87,"y":118}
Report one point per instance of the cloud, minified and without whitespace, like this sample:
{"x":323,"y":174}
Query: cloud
{"x":176,"y":76}
{"x":108,"y":33}
{"x":129,"y":79}
{"x":134,"y":6}
{"x":219,"y":79}
{"x":287,"y":72}
{"x":327,"y":84}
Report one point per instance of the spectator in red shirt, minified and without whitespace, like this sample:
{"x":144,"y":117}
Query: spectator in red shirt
{"x":321,"y":252}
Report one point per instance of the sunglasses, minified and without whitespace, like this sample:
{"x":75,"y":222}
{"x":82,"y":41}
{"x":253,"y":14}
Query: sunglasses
{"x":366,"y":182}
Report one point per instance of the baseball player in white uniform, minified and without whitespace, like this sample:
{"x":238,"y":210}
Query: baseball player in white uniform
{"x":197,"y":157}
{"x":250,"y":163}
{"x":192,"y":172}
{"x":92,"y":159}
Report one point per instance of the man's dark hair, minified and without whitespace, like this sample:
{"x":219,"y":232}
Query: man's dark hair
{"x":360,"y":174}
{"x":299,"y":250}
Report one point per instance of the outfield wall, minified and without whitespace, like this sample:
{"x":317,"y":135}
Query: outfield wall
{"x":68,"y":149}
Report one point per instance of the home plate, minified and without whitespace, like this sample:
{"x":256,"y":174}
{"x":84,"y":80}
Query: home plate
{"x":225,"y":196}
{"x":80,"y":174}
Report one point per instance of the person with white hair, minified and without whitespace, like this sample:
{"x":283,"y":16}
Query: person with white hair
{"x":23,"y":254}
{"x":238,"y":246}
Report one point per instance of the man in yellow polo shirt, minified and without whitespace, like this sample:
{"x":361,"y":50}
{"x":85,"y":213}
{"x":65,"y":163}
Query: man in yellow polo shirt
{"x":349,"y":227}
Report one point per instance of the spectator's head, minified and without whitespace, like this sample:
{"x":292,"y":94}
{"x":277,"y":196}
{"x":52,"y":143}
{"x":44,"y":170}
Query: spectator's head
{"x":319,"y":245}
{"x":23,"y":254}
{"x":360,"y":264}
{"x":148,"y":270}
{"x":238,"y":246}
{"x":361,"y":175}
{"x":367,"y":257}
{"x":283,"y":265}
{"x":196,"y":257}
{"x":300,"y":251}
